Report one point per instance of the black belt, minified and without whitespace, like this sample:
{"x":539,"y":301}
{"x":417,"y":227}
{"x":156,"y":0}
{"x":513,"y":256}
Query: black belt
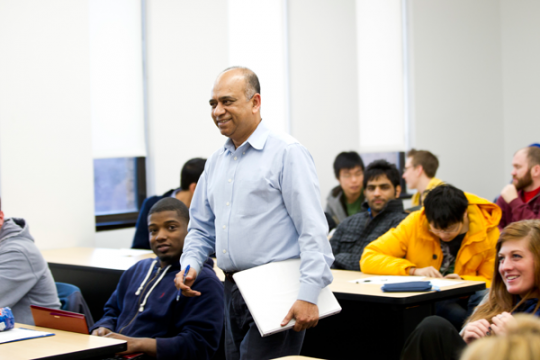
{"x":229,"y":276}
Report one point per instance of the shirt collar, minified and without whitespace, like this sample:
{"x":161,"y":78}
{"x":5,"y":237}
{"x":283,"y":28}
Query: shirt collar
{"x":256,"y":140}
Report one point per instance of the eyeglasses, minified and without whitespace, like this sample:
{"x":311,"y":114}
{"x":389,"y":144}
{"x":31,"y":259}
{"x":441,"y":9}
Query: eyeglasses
{"x":446,"y":231}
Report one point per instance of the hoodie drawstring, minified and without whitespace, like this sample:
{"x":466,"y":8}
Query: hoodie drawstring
{"x":141,"y":308}
{"x":146,"y":278}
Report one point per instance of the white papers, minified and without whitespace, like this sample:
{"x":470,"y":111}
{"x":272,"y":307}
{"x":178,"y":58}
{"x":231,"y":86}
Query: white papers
{"x":442,"y":283}
{"x":270,"y":290}
{"x":387,"y":279}
{"x":17,"y":334}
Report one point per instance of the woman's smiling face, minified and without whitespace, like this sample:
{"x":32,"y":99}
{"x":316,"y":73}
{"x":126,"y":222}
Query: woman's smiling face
{"x":516,"y":266}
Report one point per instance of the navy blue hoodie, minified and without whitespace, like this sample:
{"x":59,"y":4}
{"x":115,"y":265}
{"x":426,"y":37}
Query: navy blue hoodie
{"x":187,"y":329}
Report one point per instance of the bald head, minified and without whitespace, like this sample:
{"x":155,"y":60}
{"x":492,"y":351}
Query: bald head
{"x":252,"y":85}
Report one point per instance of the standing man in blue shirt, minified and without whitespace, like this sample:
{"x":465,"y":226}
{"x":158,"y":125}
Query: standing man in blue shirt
{"x":257,"y":202}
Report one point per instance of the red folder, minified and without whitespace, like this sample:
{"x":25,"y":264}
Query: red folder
{"x":59,"y":319}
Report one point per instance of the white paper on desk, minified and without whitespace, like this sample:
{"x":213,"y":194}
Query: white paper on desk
{"x":442,"y":283}
{"x":270,"y":290}
{"x":387,"y":279}
{"x":17,"y":334}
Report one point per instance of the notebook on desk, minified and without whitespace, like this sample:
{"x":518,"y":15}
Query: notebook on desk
{"x":270,"y":290}
{"x":59,"y":319}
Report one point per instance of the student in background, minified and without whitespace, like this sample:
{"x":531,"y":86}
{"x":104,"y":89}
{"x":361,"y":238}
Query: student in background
{"x":420,"y":169}
{"x":453,"y":236}
{"x":521,"y":341}
{"x":384,"y":211}
{"x":25,"y":278}
{"x":515,"y":289}
{"x":189,"y":176}
{"x":521,"y":199}
{"x":346,"y":199}
{"x":144,"y":309}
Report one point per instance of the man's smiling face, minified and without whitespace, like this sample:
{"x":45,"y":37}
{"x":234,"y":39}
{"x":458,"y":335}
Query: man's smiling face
{"x":167,"y":232}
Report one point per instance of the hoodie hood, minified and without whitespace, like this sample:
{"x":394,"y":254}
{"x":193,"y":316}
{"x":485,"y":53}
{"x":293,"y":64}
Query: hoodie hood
{"x":483,"y":210}
{"x":15,"y":228}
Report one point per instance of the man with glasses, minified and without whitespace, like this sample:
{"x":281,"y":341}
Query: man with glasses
{"x":419,"y":174}
{"x":347,"y":198}
{"x":453,"y":236}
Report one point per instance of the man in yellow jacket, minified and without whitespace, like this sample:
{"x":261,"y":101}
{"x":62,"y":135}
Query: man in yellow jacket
{"x":453,"y":236}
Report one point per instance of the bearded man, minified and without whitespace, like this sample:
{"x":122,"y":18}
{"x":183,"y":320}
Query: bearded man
{"x":520,"y":200}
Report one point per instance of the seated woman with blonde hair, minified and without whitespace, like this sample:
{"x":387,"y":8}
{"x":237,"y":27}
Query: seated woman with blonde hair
{"x":522,"y":341}
{"x":515,"y":289}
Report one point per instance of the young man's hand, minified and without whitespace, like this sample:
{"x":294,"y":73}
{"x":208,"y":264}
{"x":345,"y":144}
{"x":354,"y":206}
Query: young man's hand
{"x":475,"y":330}
{"x":101,"y":331}
{"x":305,"y":313}
{"x":185,"y":284}
{"x":429,"y":271}
{"x":136,"y":345}
{"x":452,"y":276}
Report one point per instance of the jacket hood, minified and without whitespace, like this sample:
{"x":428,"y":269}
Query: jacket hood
{"x":15,"y":228}
{"x":489,"y":212}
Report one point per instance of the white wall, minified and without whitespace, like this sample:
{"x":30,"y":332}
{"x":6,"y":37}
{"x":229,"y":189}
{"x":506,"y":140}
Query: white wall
{"x":323,"y":81}
{"x":115,"y":239}
{"x":187,"y":48}
{"x":46,"y":173}
{"x":521,"y":76}
{"x":456,"y":84}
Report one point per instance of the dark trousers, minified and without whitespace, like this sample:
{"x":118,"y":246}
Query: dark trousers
{"x":433,"y":338}
{"x":242,"y":338}
{"x":457,"y":310}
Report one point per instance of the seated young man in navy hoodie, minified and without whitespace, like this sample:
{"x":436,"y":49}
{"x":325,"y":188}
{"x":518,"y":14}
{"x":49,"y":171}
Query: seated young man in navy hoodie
{"x":144,"y":309}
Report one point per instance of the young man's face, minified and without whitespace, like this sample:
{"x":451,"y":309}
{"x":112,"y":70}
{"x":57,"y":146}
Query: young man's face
{"x":379,"y":192}
{"x":450,"y":232}
{"x":411,"y":174}
{"x":167,"y":232}
{"x":521,"y":173}
{"x":351,"y":181}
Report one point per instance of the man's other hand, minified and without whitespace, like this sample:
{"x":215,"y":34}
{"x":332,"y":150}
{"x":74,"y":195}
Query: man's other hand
{"x":136,"y":345}
{"x":305,"y":313}
{"x":101,"y":331}
{"x":185,"y":284}
{"x":429,"y":271}
{"x":509,"y":193}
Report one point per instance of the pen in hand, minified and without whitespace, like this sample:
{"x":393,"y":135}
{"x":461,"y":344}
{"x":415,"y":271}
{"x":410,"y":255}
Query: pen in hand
{"x":180,"y":291}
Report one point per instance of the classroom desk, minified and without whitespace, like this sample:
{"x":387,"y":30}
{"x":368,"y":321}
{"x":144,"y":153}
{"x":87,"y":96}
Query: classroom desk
{"x":64,"y":345}
{"x":374,"y":324}
{"x":95,"y":271}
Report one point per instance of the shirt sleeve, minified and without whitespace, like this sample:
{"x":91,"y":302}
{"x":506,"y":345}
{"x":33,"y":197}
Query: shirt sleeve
{"x":386,"y":255}
{"x":521,"y":211}
{"x":17,"y":277}
{"x":200,"y":241}
{"x":300,"y":190}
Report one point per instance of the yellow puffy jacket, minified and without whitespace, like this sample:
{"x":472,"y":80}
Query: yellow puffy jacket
{"x":411,"y":244}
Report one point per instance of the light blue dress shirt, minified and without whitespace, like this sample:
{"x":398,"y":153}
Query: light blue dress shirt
{"x":258,"y":204}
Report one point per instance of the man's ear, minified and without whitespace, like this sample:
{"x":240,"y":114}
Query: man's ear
{"x":192,"y":187}
{"x":398,"y":191}
{"x":256,"y":103}
{"x":1,"y":218}
{"x":465,"y":215}
{"x":535,"y":171}
{"x":420,"y":169}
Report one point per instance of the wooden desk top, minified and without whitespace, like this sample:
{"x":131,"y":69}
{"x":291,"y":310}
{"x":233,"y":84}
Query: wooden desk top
{"x":343,"y":288}
{"x":61,"y":344}
{"x":298,"y":357}
{"x":123,"y":259}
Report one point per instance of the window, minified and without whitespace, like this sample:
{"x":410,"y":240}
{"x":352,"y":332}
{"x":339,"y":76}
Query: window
{"x":119,"y":190}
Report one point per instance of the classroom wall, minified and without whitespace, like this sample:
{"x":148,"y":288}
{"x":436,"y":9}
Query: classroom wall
{"x":46,"y":173}
{"x":521,"y":76}
{"x":323,"y":81}
{"x":456,"y":90}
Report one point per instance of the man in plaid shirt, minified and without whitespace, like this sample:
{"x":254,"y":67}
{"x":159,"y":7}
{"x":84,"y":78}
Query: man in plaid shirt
{"x":384,"y":211}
